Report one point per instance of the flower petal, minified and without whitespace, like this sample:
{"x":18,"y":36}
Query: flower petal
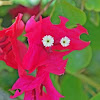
{"x":29,"y":95}
{"x":53,"y":93}
{"x":17,"y":93}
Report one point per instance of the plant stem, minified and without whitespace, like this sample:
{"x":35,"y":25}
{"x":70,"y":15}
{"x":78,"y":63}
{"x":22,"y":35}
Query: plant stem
{"x":1,"y":23}
{"x":43,"y":10}
{"x":86,"y":79}
{"x":82,"y":5}
{"x":89,"y":89}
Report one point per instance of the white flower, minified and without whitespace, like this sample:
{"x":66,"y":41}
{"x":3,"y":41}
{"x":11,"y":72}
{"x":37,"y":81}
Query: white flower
{"x":48,"y":41}
{"x":65,"y":41}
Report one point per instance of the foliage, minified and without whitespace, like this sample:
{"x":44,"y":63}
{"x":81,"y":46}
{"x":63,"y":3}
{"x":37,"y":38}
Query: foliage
{"x":82,"y":78}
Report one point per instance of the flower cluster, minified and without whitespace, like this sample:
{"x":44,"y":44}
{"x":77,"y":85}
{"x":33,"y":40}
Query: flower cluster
{"x":48,"y":43}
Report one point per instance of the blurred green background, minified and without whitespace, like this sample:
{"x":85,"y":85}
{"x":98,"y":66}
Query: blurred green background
{"x":81,"y":80}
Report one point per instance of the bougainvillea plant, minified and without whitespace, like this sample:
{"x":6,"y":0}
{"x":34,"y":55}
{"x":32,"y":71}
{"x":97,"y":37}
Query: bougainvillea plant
{"x":48,"y":43}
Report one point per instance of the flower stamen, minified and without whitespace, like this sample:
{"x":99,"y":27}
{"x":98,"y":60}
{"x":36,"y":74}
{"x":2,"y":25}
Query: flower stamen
{"x":65,"y":41}
{"x":48,"y":41}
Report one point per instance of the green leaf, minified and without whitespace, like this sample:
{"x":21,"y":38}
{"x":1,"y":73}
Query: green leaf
{"x":85,"y":37}
{"x":93,"y":70}
{"x":72,"y":88}
{"x":78,"y":60}
{"x":22,"y":2}
{"x":55,"y":82}
{"x":7,"y":79}
{"x":63,"y":8}
{"x":22,"y":38}
{"x":96,"y":97}
{"x":3,"y":66}
{"x":4,"y":9}
{"x":7,"y":21}
{"x":94,"y":34}
{"x":33,"y":2}
{"x":94,"y":17}
{"x":93,"y":5}
{"x":79,"y":3}
{"x":72,"y":2}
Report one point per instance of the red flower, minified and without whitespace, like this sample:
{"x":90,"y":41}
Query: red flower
{"x":33,"y":87}
{"x":9,"y":43}
{"x":45,"y":39}
{"x":24,"y":10}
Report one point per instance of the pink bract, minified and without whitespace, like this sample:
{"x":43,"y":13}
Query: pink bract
{"x":49,"y":57}
{"x":9,"y":43}
{"x":33,"y":87}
